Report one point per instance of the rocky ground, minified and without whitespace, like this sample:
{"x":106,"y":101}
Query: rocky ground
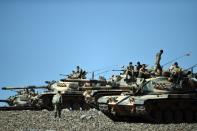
{"x":91,"y":120}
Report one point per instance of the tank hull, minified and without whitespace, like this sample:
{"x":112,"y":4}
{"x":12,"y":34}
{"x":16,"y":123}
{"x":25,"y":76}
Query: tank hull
{"x":157,"y":108}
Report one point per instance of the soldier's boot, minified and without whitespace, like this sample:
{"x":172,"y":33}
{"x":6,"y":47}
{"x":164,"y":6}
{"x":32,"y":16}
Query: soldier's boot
{"x":59,"y":113}
{"x":55,"y":114}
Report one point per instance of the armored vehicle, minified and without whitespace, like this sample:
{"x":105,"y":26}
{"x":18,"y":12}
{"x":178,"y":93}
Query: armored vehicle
{"x":116,"y":85}
{"x":157,"y":99}
{"x":25,"y":98}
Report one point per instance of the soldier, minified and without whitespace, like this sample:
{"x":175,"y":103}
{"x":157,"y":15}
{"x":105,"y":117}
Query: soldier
{"x":80,"y":73}
{"x":137,"y":69}
{"x":158,"y":68}
{"x":175,"y":68}
{"x":143,"y":73}
{"x":72,"y":75}
{"x":175,"y":71}
{"x":78,"y":69}
{"x":138,"y":66}
{"x":57,"y":103}
{"x":129,"y":72}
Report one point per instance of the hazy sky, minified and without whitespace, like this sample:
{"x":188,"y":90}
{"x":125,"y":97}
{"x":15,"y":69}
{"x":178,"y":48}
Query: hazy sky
{"x":41,"y":39}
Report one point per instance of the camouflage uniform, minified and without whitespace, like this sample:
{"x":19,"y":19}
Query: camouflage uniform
{"x":57,"y":103}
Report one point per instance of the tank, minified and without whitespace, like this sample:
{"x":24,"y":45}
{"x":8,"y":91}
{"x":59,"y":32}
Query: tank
{"x":72,"y":95}
{"x":116,"y":85}
{"x":25,"y":98}
{"x":157,"y":99}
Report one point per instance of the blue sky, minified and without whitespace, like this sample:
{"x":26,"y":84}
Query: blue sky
{"x":41,"y":39}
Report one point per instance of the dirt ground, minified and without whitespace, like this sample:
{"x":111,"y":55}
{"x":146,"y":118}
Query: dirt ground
{"x":91,"y":120}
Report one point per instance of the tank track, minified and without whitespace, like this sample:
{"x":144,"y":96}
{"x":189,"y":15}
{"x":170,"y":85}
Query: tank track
{"x":172,"y":110}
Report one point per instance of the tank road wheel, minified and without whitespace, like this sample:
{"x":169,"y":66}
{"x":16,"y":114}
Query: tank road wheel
{"x":168,"y":116}
{"x":178,"y":116}
{"x":188,"y":116}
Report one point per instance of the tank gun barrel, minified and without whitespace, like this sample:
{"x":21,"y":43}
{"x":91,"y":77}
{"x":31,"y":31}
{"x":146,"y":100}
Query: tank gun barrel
{"x":28,"y":87}
{"x":9,"y":102}
{"x":117,"y":70}
{"x":83,"y":80}
{"x":6,"y":101}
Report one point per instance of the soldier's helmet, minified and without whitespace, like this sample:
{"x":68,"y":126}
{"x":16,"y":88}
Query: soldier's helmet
{"x":176,"y":63}
{"x":161,"y":51}
{"x":130,"y":63}
{"x":138,"y":63}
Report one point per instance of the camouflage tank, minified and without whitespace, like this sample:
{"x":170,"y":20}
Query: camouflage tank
{"x":116,"y":85}
{"x":157,"y":99}
{"x":71,"y":93}
{"x":26,"y":98}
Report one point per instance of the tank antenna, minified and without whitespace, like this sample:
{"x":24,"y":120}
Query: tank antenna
{"x":180,"y":57}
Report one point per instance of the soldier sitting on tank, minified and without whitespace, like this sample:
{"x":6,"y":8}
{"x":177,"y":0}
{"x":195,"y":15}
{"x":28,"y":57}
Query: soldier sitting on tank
{"x":72,"y":75}
{"x":176,"y":72}
{"x":80,"y":73}
{"x":137,"y":69}
{"x":143,"y":72}
{"x":83,"y":74}
{"x":57,"y":103}
{"x":129,"y":72}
